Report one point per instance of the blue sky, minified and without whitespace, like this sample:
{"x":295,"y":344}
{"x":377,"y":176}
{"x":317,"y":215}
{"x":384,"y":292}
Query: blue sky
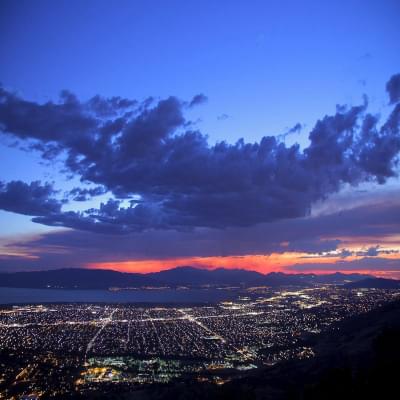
{"x":264,"y":66}
{"x":268,"y":65}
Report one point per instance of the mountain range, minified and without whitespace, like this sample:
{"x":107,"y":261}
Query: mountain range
{"x":75,"y":278}
{"x":375,"y":283}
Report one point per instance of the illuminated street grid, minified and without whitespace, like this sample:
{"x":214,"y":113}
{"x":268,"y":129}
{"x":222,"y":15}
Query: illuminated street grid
{"x":136,"y":345}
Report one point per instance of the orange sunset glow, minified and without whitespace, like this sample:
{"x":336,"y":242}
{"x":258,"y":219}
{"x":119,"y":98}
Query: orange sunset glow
{"x":275,"y":262}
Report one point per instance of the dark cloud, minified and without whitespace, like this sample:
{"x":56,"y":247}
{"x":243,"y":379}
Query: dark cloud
{"x":378,"y":149}
{"x":393,"y":88}
{"x":364,"y":264}
{"x":108,"y":218}
{"x":144,"y":151}
{"x":370,"y":252}
{"x":324,"y":233}
{"x":295,"y":129}
{"x":66,"y":125}
{"x":315,"y":245}
{"x":84,"y":194}
{"x":32,"y":199}
{"x":59,"y":123}
{"x":344,"y":253}
{"x":111,"y":106}
{"x":373,"y":251}
{"x":198,"y":99}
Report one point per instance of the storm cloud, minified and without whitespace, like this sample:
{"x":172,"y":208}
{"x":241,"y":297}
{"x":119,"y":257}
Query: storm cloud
{"x":393,"y":88}
{"x":147,"y":152}
{"x":374,"y":223}
{"x":84,"y":194}
{"x":367,"y":263}
{"x":32,"y":199}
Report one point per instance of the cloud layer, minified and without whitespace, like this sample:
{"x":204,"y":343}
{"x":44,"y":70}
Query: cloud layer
{"x":32,"y":199}
{"x":149,"y":153}
{"x":373,"y":228}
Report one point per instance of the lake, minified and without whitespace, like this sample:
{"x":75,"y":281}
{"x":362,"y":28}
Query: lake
{"x":29,"y":296}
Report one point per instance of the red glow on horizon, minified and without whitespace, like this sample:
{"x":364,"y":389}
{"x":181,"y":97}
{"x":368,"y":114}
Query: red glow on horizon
{"x":285,"y":262}
{"x":260,"y":263}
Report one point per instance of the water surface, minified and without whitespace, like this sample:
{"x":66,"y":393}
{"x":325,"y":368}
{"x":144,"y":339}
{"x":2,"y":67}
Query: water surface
{"x":29,"y":296}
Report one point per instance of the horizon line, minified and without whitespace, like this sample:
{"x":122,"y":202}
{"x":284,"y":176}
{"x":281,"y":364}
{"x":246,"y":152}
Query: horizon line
{"x":350,"y":272}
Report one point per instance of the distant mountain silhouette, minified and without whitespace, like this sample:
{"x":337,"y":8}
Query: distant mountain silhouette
{"x":76,"y":278}
{"x":377,"y":283}
{"x":195,"y":276}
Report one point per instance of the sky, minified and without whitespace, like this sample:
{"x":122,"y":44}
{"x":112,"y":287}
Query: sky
{"x":140,"y":136}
